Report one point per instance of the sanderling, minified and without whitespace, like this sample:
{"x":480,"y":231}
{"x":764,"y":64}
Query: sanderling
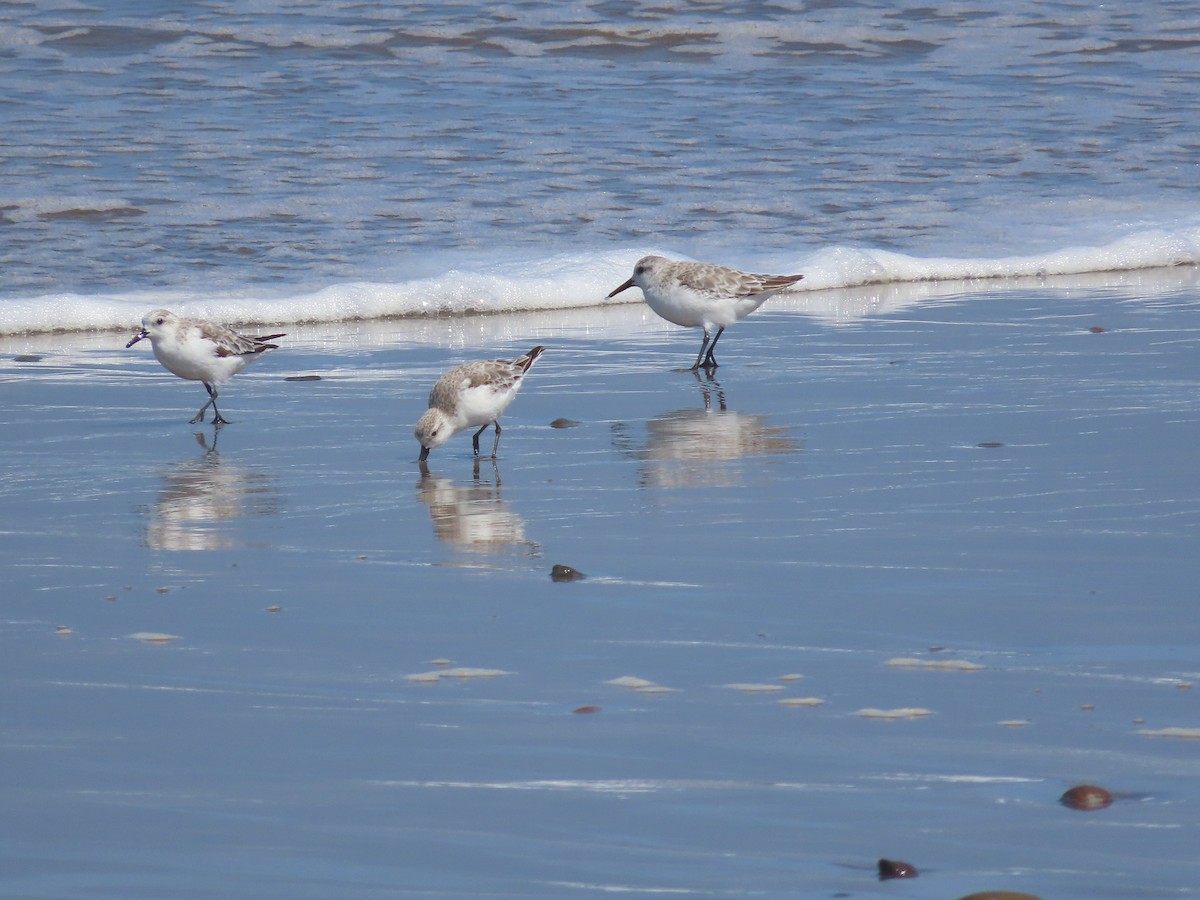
{"x":475,"y":393}
{"x":200,"y":351}
{"x":702,"y":295}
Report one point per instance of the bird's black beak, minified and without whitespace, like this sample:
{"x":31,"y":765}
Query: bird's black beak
{"x":626,"y":286}
{"x":424,"y":454}
{"x":137,"y":337}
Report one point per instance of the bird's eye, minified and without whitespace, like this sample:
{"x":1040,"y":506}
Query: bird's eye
{"x":159,"y":321}
{"x":639,"y":270}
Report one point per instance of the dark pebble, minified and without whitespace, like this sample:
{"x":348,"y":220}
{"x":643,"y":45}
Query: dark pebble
{"x":990,"y":445}
{"x":565,"y":573}
{"x":1097,"y":329}
{"x":1086,"y":797}
{"x":563,"y":423}
{"x":28,"y":357}
{"x":586,"y":710}
{"x":303,"y":378}
{"x":894,"y":868}
{"x":1000,"y":895}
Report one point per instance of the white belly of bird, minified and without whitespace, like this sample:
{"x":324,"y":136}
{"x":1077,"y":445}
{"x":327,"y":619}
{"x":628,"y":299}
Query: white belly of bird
{"x":683,"y":306}
{"x":480,"y":405}
{"x":203,"y":365}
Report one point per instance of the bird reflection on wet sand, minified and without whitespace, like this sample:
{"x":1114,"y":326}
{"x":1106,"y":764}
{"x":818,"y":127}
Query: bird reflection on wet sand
{"x":473,"y":516}
{"x":680,"y":444}
{"x":199,"y":496}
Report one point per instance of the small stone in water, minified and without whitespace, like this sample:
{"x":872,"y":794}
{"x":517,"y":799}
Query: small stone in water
{"x":563,"y":423}
{"x":565,"y":573}
{"x":1086,"y":797}
{"x":586,"y":710}
{"x":894,"y":868}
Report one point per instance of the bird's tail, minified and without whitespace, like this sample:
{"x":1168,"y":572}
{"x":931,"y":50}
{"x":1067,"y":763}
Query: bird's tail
{"x":777,"y":282}
{"x":525,"y":362}
{"x":263,"y":341}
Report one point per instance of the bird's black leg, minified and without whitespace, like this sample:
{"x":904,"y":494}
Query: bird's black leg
{"x":218,"y":419}
{"x":212,"y":401}
{"x":496,"y":446}
{"x":710,"y":361}
{"x":475,"y":438}
{"x":703,"y":347}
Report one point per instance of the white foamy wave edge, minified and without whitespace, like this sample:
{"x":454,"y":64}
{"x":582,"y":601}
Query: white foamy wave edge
{"x":574,"y":281}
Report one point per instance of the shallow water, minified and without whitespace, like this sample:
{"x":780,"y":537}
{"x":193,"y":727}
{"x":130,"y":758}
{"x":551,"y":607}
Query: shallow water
{"x":821,"y":508}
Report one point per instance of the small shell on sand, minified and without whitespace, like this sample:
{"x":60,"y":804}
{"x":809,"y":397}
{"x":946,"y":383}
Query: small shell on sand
{"x":154,"y":637}
{"x":64,"y":630}
{"x":641,"y":685}
{"x":903,"y":712}
{"x":460,"y":672}
{"x":1013,"y":723}
{"x":801,"y":701}
{"x":747,"y":688}
{"x":1086,"y":797}
{"x":630,"y":681}
{"x":949,"y":665}
{"x":468,"y":672}
{"x":1173,"y":732}
{"x":791,"y":676}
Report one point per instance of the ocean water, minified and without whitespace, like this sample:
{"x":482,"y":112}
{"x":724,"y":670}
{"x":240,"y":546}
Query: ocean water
{"x":286,"y":161}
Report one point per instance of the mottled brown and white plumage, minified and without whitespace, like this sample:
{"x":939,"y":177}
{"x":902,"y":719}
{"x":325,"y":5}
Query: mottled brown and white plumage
{"x":702,"y":295}
{"x":200,"y":351}
{"x":475,"y":393}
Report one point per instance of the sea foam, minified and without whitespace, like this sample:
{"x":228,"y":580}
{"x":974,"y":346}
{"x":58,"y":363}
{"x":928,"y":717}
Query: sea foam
{"x":579,"y":280}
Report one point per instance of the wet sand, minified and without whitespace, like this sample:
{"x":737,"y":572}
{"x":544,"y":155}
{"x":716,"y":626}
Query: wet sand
{"x":281,"y":661}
